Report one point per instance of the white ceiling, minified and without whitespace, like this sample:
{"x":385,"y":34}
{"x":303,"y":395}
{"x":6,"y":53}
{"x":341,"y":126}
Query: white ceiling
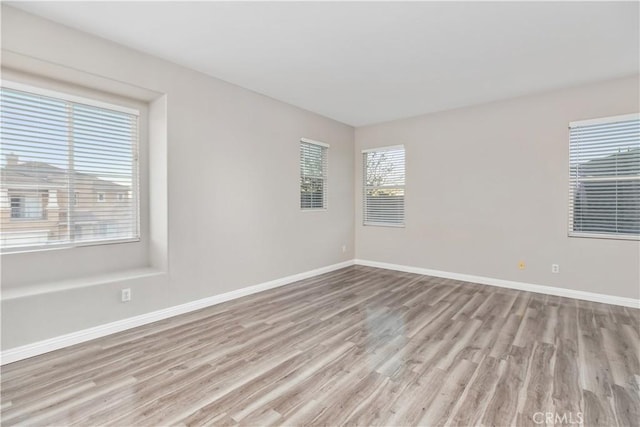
{"x":362,"y":62}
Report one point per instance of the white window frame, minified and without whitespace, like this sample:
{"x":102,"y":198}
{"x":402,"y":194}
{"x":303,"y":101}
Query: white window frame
{"x":23,"y":196}
{"x":573,"y":182}
{"x":325,"y":189}
{"x":135,"y":184}
{"x":365,"y":187}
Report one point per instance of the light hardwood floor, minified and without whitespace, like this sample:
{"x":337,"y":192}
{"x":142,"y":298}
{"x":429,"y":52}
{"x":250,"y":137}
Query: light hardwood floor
{"x":358,"y":346}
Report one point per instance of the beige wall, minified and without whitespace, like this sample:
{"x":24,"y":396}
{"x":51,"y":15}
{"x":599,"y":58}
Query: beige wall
{"x":233,"y":194}
{"x":487,"y":186}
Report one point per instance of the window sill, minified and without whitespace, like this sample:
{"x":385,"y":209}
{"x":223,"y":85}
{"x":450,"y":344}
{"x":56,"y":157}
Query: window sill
{"x":82,"y":282}
{"x":604,"y":236}
{"x":55,"y":247}
{"x":382,"y":224}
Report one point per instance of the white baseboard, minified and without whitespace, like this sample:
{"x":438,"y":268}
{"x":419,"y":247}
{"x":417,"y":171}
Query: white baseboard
{"x":45,"y":346}
{"x":540,"y":289}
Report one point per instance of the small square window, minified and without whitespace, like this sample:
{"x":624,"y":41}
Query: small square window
{"x":27,"y":206}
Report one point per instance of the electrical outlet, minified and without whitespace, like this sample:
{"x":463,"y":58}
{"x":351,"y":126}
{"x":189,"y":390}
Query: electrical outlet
{"x":125,"y":295}
{"x":522,"y":265}
{"x":555,"y":268}
{"x":344,"y":248}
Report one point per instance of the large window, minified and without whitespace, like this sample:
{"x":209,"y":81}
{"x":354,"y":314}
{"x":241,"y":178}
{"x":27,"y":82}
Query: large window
{"x":313,"y":174}
{"x":69,"y":170}
{"x":383,"y":199}
{"x":604,"y":169}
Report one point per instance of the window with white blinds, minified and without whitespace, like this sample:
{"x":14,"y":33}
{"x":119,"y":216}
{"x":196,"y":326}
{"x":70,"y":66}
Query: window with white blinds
{"x":383,"y":175}
{"x":604,"y":170}
{"x":313,"y":174}
{"x":69,"y":170}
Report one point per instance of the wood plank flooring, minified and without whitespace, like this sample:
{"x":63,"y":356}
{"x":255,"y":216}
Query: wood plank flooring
{"x":358,"y":346}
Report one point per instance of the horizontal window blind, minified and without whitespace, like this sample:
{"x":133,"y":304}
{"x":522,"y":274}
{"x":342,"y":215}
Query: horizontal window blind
{"x":69,"y":171}
{"x":313,"y":175}
{"x":604,"y":170}
{"x":384,"y":180}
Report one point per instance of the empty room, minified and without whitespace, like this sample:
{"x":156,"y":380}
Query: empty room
{"x":320,"y":213}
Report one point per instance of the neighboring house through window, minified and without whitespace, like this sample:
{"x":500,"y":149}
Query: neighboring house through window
{"x":604,"y":171}
{"x":313,"y":174}
{"x":383,"y":186}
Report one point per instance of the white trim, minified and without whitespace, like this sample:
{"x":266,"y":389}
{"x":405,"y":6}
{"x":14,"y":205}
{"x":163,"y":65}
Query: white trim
{"x":603,"y":120}
{"x":67,"y":97}
{"x":45,"y":346}
{"x":382,"y":224}
{"x":609,"y":178}
{"x":388,"y":148}
{"x":314,"y":142}
{"x":603,"y":235}
{"x":313,"y":209}
{"x":530,"y":287}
